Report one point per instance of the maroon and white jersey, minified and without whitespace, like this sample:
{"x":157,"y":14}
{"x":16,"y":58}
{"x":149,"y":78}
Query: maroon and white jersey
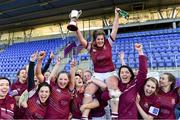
{"x":168,"y":102}
{"x":59,"y":103}
{"x":177,"y":91}
{"x":102,"y":57}
{"x":7,"y":107}
{"x":127,"y":106}
{"x":150,"y":104}
{"x":76,"y":103}
{"x":18,"y":87}
{"x":35,"y":110}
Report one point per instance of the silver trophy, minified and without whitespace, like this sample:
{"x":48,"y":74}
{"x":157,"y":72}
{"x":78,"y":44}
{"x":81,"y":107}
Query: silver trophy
{"x":74,"y":15}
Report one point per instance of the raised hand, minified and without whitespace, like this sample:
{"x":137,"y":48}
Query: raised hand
{"x":58,"y":60}
{"x":34,"y":57}
{"x":52,"y":55}
{"x":42,"y":55}
{"x":139,"y":48}
{"x":73,"y":63}
{"x":117,"y":10}
{"x":121,"y":55}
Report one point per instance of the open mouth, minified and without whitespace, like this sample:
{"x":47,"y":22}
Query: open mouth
{"x":148,"y":93}
{"x":124,"y":77}
{"x":63,"y":85}
{"x":24,"y":76}
{"x":4,"y":91}
{"x":43,"y":98}
{"x":79,"y":82}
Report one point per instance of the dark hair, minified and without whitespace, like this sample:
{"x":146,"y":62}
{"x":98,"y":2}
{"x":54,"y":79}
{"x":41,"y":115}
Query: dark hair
{"x":63,"y":72}
{"x":172,"y":79}
{"x":77,"y":75}
{"x":98,"y":32}
{"x":95,"y":34}
{"x":20,"y":71}
{"x":42,"y":85}
{"x":5,"y":78}
{"x":154,"y":80}
{"x":130,"y":70}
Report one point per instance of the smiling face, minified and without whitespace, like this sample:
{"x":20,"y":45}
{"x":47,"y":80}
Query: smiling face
{"x":149,"y":88}
{"x":78,"y":81}
{"x":125,"y":75}
{"x":100,"y":41}
{"x":44,"y":93}
{"x":22,"y":76}
{"x":4,"y":88}
{"x":63,"y":80}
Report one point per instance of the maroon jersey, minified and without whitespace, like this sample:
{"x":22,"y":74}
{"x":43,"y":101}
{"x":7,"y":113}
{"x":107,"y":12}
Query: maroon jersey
{"x":59,"y":103}
{"x":127,"y":106}
{"x":7,"y":107}
{"x":99,"y":111}
{"x":102,"y":57}
{"x":177,"y":91}
{"x":19,"y":88}
{"x":35,"y":110}
{"x":76,"y":103}
{"x":150,"y":104}
{"x":168,"y":101}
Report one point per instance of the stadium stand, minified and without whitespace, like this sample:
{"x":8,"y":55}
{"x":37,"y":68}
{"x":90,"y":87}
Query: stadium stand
{"x":161,"y":46}
{"x":16,"y":56}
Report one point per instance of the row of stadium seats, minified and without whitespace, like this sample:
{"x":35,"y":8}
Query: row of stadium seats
{"x":152,"y":32}
{"x":161,"y":46}
{"x":16,"y":56}
{"x":162,"y":49}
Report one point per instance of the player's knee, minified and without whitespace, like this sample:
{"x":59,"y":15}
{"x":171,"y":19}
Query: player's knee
{"x":115,"y":94}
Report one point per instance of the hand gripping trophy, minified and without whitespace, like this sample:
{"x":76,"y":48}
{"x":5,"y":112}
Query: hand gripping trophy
{"x":74,"y":15}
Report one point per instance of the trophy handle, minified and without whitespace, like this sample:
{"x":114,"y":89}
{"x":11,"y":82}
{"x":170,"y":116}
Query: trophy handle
{"x":79,"y":13}
{"x":70,"y":15}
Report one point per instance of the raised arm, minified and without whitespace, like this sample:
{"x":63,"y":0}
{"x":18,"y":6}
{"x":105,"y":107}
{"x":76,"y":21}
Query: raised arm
{"x":48,"y":63}
{"x":81,"y":38}
{"x":31,"y":71}
{"x":143,"y":114}
{"x":39,"y":74}
{"x":55,"y":70}
{"x":121,"y":57}
{"x":142,"y":73}
{"x":139,"y":48}
{"x":115,"y":24}
{"x":72,"y":72}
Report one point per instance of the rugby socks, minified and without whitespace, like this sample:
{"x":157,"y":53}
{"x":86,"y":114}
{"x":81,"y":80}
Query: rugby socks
{"x":84,"y":118}
{"x":114,"y":116}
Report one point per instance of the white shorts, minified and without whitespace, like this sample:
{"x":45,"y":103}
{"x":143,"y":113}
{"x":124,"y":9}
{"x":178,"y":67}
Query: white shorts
{"x":103,"y":76}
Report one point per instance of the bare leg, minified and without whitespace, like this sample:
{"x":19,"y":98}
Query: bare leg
{"x":89,"y":91}
{"x":112,"y":84}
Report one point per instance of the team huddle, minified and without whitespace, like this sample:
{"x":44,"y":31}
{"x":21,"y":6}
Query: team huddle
{"x":102,"y":94}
